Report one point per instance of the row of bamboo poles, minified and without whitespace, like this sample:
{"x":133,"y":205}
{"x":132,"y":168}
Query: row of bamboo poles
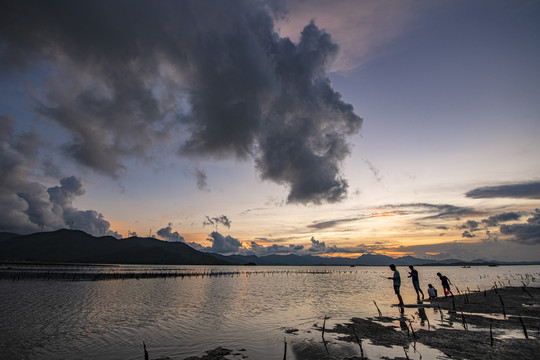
{"x":16,"y":275}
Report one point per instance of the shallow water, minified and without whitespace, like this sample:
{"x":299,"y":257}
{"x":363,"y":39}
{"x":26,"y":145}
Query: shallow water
{"x":180,"y":317}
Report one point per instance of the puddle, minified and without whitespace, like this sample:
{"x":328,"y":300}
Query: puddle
{"x":335,"y":349}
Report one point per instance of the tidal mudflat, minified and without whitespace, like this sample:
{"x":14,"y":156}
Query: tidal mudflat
{"x":501,"y":323}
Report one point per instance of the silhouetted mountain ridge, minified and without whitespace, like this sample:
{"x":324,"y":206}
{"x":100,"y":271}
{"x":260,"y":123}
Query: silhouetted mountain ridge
{"x":74,"y":246}
{"x":364,"y":260}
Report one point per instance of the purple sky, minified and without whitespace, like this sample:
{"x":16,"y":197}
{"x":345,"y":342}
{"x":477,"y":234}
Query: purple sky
{"x":311,"y":127}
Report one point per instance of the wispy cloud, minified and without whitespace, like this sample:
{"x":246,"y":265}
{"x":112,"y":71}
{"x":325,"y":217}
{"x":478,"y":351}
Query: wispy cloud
{"x":528,"y":190}
{"x":525,"y":233}
{"x":376,"y":172}
{"x":433,"y":211}
{"x":200,"y":175}
{"x":503,"y":250}
{"x":503,"y":217}
{"x":215,"y":221}
{"x":319,"y":225}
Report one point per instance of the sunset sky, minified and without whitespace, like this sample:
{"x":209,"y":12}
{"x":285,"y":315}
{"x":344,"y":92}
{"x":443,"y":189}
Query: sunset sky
{"x":320,"y":127}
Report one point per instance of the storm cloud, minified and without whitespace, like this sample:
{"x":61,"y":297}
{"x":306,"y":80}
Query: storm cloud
{"x":27,"y":206}
{"x":212,"y":79}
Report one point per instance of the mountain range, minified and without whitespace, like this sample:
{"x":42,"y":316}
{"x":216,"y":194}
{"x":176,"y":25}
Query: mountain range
{"x":75,"y":246}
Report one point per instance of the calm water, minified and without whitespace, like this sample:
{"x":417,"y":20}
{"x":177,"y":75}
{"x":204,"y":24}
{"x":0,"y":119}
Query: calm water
{"x":180,"y":317}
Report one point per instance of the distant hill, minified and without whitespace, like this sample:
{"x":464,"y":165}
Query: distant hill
{"x":7,"y":235}
{"x":364,"y":260}
{"x":310,"y":260}
{"x":74,"y":246}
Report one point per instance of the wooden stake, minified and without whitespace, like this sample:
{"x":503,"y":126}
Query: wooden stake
{"x":146,"y":357}
{"x":406,"y":355}
{"x":379,"y":310}
{"x":524,"y":328}
{"x":502,"y":303}
{"x":463,"y":320}
{"x":324,"y":325}
{"x":491,"y":332}
{"x":359,"y":342}
{"x":412,"y":329}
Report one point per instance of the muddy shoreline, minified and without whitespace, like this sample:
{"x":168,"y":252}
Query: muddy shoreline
{"x":501,"y":323}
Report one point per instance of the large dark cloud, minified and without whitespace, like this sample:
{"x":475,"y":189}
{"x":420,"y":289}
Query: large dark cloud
{"x":27,"y":206}
{"x":530,"y":190}
{"x":212,"y":77}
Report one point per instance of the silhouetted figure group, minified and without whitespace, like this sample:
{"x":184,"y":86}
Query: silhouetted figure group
{"x":413,"y":274}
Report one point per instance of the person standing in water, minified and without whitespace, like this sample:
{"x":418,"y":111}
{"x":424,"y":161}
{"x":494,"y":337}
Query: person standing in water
{"x":397,"y":283}
{"x":416,"y":284}
{"x":445,"y":284}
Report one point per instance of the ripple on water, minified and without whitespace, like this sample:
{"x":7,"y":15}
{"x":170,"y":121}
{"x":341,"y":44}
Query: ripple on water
{"x":183,"y":317}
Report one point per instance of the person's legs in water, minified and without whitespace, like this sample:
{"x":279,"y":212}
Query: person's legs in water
{"x":416,"y":286}
{"x":396,"y":290}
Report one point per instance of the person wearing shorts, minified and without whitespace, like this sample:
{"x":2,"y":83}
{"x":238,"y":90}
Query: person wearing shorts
{"x":445,"y":284}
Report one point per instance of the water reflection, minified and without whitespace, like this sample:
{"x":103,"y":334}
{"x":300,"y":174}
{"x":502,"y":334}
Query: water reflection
{"x":180,"y":317}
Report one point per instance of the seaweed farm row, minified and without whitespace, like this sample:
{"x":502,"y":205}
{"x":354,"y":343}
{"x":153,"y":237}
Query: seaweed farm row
{"x":89,"y":274}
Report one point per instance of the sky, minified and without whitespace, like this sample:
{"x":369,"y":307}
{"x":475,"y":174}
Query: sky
{"x":321,"y":127}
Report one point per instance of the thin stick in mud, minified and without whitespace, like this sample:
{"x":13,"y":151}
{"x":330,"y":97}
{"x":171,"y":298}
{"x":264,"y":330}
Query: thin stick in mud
{"x":358,"y":341}
{"x":524,"y":328}
{"x":491,"y":332}
{"x":379,"y":310}
{"x":324,"y":326}
{"x":503,"y":308}
{"x":146,"y":357}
